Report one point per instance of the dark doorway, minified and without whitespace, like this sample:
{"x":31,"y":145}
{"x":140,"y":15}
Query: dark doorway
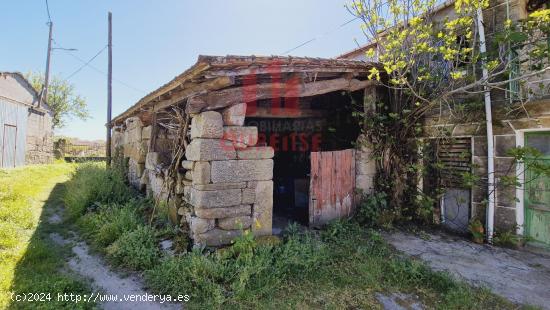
{"x":321,"y":123}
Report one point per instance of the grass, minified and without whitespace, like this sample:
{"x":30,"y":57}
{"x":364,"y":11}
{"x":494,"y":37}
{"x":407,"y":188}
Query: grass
{"x":343,"y":266}
{"x":135,"y":249}
{"x":360,"y":263}
{"x":109,"y":223}
{"x":94,"y":185}
{"x":29,"y":261}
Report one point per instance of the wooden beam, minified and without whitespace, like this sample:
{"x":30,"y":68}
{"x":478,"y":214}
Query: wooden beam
{"x":192,"y":89}
{"x":154,"y":129}
{"x":360,"y":69}
{"x":227,"y":97}
{"x":144,"y":102}
{"x":146,"y":117}
{"x":268,"y":112}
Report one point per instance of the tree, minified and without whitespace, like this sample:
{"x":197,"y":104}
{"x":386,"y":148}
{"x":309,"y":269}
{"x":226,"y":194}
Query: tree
{"x":433,"y":66}
{"x":62,"y":99}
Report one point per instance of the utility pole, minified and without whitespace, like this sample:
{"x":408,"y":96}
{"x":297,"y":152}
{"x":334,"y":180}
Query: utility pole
{"x":489,"y":121}
{"x":109,"y":91}
{"x":44,"y":93}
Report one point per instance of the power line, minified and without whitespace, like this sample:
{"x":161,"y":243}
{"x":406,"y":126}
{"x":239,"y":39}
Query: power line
{"x":297,"y":47}
{"x":48,"y":10}
{"x":331,"y":31}
{"x":98,"y":70}
{"x":320,"y":36}
{"x":129,"y":86}
{"x":86,"y":63}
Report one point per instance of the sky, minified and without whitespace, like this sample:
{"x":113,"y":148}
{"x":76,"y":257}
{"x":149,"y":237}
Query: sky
{"x":153,"y":41}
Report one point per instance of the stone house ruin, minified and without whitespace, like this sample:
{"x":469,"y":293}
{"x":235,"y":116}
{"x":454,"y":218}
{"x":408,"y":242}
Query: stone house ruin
{"x":235,"y":141}
{"x":26,"y":132}
{"x":525,"y":208}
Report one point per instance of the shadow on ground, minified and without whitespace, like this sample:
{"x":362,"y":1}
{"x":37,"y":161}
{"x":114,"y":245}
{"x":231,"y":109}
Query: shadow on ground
{"x":41,"y":279}
{"x":60,"y":271}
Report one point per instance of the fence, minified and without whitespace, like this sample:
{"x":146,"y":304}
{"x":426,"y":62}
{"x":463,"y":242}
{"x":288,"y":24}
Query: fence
{"x":80,"y":152}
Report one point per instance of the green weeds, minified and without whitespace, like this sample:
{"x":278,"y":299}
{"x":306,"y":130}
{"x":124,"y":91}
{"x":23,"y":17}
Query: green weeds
{"x":29,"y":261}
{"x":108,"y":223}
{"x":343,"y":265}
{"x":135,"y":249}
{"x":92,"y":184}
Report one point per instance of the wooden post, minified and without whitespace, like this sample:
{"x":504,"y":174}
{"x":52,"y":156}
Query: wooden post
{"x":44,"y":93}
{"x":109,"y":92}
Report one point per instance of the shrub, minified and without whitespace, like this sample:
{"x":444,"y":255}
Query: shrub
{"x":250,"y":268}
{"x":340,"y":230}
{"x":92,"y":183}
{"x":424,"y":207}
{"x":476,"y":229}
{"x":373,"y":210}
{"x":136,"y":249}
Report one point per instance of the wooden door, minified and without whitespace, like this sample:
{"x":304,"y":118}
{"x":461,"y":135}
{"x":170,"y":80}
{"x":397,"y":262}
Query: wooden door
{"x":537,"y":191}
{"x":332,"y":185}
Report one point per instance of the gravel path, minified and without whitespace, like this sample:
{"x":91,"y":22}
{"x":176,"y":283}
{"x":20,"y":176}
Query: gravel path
{"x":106,"y":282}
{"x":520,"y":276}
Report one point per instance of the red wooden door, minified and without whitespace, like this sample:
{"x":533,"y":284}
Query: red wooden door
{"x":332,"y":184}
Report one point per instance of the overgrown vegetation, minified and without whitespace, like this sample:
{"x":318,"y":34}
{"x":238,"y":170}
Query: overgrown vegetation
{"x":29,"y":261}
{"x":509,"y":239}
{"x":432,"y":69}
{"x":342,"y":265}
{"x":109,"y":222}
{"x":136,"y":249}
{"x":93,"y":186}
{"x":476,"y":229}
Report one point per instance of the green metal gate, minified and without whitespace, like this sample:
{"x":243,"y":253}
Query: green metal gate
{"x":537,"y":191}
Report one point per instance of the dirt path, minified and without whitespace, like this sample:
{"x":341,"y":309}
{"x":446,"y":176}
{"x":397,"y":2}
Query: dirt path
{"x":519,"y":276}
{"x":399,"y":301}
{"x":105,"y":281}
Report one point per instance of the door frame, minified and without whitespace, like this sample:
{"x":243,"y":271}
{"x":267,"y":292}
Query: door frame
{"x":520,"y":173}
{"x":442,"y":199}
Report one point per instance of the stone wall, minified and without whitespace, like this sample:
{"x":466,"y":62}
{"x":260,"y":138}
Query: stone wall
{"x":365,"y":167}
{"x":39,"y":142}
{"x":224,"y":185}
{"x":231,"y":179}
{"x":136,"y":147}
